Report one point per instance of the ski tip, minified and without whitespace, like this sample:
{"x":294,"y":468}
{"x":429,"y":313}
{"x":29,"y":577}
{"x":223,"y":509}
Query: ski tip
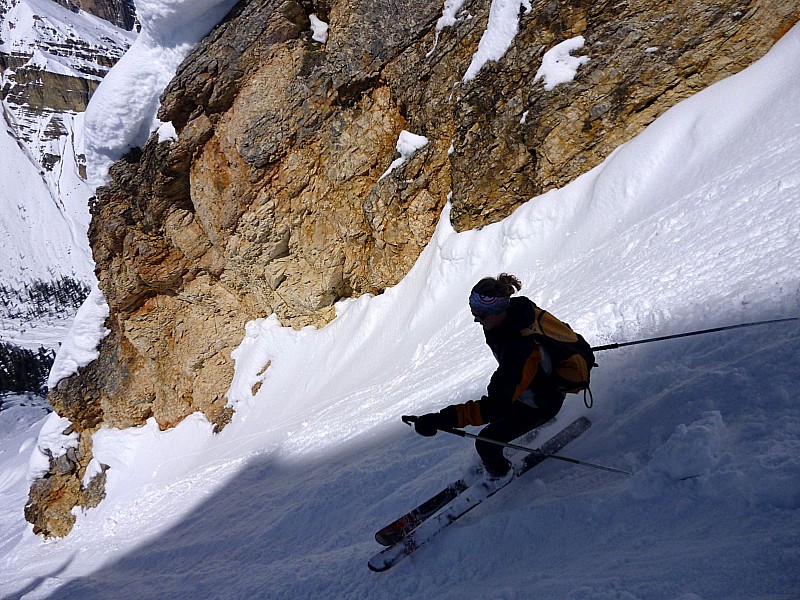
{"x":380,"y":568}
{"x":391,"y":534}
{"x":583,"y":421}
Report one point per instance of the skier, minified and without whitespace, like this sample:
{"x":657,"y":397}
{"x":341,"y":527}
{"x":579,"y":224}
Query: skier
{"x":521,"y":394}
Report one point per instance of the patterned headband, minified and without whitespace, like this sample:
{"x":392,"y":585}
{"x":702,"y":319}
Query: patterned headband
{"x":488,"y":305}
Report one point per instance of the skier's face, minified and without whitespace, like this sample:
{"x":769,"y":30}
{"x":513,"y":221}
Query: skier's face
{"x":489,"y":322}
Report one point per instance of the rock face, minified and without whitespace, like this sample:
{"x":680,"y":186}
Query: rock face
{"x":61,"y":490}
{"x":121,"y":13}
{"x":272,"y":197}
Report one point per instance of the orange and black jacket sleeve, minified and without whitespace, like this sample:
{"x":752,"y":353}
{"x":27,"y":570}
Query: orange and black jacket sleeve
{"x":518,"y":366}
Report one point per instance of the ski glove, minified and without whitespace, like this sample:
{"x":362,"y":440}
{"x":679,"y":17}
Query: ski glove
{"x":430,"y":423}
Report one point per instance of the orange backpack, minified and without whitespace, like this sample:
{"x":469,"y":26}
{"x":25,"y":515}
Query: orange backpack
{"x":571,"y":355}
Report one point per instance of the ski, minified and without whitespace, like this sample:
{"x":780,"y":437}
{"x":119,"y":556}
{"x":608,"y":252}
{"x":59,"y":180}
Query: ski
{"x":397,"y":529}
{"x":468,"y":499}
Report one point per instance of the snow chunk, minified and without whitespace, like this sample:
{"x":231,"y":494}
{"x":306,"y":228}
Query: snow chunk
{"x":407,"y":144}
{"x":448,"y":19}
{"x":166,"y":132}
{"x":80,"y":347}
{"x":500,"y":33}
{"x":691,"y":451}
{"x":557,"y":64}
{"x":449,"y":12}
{"x":94,"y":469}
{"x":52,"y":442}
{"x":319,"y":29}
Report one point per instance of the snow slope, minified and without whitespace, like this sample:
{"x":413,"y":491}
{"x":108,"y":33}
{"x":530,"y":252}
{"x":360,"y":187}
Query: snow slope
{"x":692,"y":224}
{"x":41,"y":236}
{"x":44,"y":214}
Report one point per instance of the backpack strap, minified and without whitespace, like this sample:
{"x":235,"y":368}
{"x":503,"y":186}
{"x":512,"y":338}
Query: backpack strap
{"x":590,"y":402}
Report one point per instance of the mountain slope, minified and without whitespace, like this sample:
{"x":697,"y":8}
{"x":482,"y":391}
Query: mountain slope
{"x":692,"y":224}
{"x":41,"y":239}
{"x":51,"y":59}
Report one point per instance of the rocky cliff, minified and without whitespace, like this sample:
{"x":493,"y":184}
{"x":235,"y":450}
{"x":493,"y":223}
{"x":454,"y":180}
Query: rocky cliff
{"x":121,"y":13}
{"x":273,"y":196}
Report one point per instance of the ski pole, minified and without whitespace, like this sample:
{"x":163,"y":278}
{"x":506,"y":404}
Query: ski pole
{"x":680,"y":335}
{"x":411,"y":419}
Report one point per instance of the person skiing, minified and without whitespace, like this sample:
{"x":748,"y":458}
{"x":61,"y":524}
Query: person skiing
{"x":521,"y":394}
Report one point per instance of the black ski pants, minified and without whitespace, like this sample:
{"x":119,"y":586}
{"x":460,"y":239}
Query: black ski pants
{"x":521,"y":419}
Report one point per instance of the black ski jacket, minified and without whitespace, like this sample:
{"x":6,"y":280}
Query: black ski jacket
{"x":519,"y":368}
